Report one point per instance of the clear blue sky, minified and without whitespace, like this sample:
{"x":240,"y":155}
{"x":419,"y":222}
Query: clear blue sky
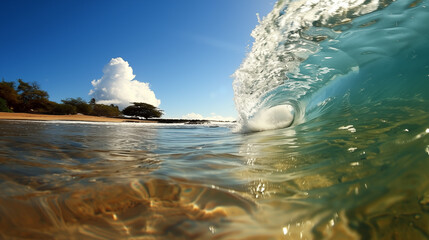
{"x":186,"y":50}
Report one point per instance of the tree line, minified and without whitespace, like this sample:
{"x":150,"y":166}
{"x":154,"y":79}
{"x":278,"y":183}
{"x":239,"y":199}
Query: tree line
{"x":29,"y":98}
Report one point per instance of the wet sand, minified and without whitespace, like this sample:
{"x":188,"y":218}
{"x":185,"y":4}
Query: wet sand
{"x":77,"y":117}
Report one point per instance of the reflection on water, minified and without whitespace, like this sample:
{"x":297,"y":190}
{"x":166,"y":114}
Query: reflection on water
{"x":134,"y":181}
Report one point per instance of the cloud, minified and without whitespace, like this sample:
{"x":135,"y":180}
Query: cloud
{"x":212,"y":116}
{"x":118,"y":86}
{"x":193,"y":116}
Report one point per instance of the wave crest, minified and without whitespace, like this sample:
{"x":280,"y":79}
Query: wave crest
{"x":284,"y":39}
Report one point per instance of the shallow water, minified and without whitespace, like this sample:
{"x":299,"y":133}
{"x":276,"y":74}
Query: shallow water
{"x":343,"y":86}
{"x":137,"y":181}
{"x":96,"y":181}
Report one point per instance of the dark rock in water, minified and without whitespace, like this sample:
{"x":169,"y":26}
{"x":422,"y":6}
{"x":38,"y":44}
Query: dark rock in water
{"x":164,"y":120}
{"x":185,"y":121}
{"x":198,"y":122}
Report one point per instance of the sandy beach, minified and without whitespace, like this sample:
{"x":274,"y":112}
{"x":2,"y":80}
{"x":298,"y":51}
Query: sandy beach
{"x":77,"y":117}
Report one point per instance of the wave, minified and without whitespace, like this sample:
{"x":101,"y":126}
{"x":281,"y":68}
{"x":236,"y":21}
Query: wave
{"x":309,"y":57}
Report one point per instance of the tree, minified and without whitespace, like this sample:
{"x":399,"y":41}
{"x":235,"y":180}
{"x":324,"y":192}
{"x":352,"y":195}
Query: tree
{"x":31,"y":97}
{"x":80,"y":105}
{"x":142,"y":110}
{"x":63,"y":109}
{"x":105,"y":110}
{"x":3,"y":106}
{"x":9,"y":94}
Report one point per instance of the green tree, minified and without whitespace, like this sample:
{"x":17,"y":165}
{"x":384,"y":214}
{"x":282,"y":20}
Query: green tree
{"x":142,"y":110}
{"x":9,"y":94}
{"x":105,"y":110}
{"x":63,"y":109}
{"x":3,"y":106}
{"x":32,"y":98}
{"x":80,"y":105}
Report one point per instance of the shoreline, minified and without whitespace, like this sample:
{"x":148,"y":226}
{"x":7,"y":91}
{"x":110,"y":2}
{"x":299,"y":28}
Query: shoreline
{"x":77,"y":117}
{"x":87,"y":118}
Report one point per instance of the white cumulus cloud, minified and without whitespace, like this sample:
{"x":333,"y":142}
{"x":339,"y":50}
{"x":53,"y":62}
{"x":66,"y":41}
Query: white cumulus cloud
{"x":118,"y":86}
{"x":193,"y":116}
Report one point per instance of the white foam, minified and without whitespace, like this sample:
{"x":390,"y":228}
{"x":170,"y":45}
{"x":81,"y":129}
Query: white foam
{"x":280,"y":116}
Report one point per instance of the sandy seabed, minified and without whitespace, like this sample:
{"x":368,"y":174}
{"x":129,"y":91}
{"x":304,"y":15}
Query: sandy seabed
{"x":77,"y":117}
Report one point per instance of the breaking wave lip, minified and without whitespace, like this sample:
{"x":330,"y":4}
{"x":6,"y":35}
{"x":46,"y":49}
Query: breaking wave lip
{"x":301,"y":48}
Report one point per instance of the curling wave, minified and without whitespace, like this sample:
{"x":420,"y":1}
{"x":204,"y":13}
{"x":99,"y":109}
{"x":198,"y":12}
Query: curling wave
{"x":309,"y":56}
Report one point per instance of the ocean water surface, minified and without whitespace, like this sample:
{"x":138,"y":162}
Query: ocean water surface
{"x":63,"y":180}
{"x":332,"y":142}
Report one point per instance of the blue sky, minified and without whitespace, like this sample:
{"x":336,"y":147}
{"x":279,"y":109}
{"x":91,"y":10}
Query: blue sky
{"x":186,"y":50}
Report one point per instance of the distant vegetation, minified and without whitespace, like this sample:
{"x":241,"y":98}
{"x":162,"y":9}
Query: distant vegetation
{"x":29,"y":98}
{"x":142,"y":110}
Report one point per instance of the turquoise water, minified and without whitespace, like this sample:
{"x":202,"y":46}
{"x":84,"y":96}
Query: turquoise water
{"x":315,"y":57}
{"x":332,"y":143}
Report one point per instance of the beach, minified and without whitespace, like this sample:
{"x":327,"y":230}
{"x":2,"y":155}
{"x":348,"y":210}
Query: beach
{"x":77,"y":117}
